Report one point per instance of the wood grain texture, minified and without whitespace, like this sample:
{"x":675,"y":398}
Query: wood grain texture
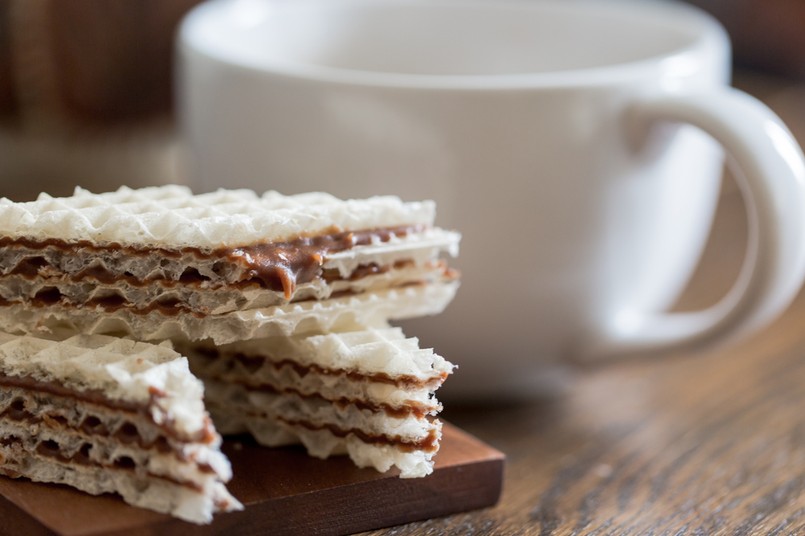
{"x":284,"y":491}
{"x":705,"y":443}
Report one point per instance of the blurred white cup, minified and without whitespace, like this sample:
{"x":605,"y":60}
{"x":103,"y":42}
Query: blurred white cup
{"x":559,"y":137}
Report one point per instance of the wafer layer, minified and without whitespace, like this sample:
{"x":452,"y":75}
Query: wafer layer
{"x":110,"y":415}
{"x":144,"y":257}
{"x":171,"y":217}
{"x":281,"y":302}
{"x":344,"y":313}
{"x":368,"y":393}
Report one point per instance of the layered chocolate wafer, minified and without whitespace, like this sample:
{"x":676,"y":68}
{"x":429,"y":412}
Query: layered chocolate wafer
{"x":367,"y":393}
{"x":161,"y":263}
{"x":110,"y":415}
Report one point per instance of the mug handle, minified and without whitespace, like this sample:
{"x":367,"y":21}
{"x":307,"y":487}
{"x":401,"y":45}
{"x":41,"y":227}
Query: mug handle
{"x":769,"y":168}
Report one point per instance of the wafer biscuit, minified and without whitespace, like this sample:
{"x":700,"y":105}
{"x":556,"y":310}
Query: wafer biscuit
{"x":133,"y":261}
{"x":104,"y":414}
{"x":335,"y":314}
{"x":369,"y":393}
{"x":302,"y":287}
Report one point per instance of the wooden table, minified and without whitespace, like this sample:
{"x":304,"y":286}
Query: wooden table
{"x":708,"y":443}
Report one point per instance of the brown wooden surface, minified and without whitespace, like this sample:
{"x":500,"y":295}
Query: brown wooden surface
{"x":285,"y":492}
{"x":690,"y":444}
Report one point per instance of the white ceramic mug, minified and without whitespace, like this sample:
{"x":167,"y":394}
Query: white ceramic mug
{"x":555,"y":135}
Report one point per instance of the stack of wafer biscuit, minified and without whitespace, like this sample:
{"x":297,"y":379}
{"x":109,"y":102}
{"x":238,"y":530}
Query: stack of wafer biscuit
{"x":280,"y":303}
{"x":105,"y":414}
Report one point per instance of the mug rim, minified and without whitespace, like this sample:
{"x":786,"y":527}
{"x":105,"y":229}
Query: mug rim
{"x":707,"y":33}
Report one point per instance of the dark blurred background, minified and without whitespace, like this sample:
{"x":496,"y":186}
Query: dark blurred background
{"x":767,"y":35}
{"x":86,"y":85}
{"x":86,"y":94}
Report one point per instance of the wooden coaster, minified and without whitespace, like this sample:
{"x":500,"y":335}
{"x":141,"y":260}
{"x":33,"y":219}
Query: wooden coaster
{"x":284,"y":491}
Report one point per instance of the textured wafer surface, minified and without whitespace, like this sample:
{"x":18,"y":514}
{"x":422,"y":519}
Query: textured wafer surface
{"x":172,"y":217}
{"x":385,"y":351}
{"x":377,"y":366}
{"x":158,"y":273}
{"x":152,"y":492}
{"x":122,"y":369}
{"x":237,"y":415}
{"x":343,"y":313}
{"x":105,"y":414}
{"x":80,"y":276}
{"x":368,"y":393}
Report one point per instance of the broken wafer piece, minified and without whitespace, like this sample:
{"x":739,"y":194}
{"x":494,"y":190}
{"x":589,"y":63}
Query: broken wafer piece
{"x":160,"y":263}
{"x":368,"y":393}
{"x":109,"y":415}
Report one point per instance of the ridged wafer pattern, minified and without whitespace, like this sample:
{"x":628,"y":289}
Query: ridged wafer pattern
{"x":369,"y":393}
{"x":281,"y":304}
{"x":105,"y":414}
{"x":345,"y":313}
{"x":172,"y":217}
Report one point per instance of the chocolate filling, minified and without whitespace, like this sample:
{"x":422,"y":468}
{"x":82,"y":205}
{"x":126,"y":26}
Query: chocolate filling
{"x":206,"y":435}
{"x":173,"y":307}
{"x":52,"y":296}
{"x":51,"y":449}
{"x":254,"y":363}
{"x":279,"y":266}
{"x":429,"y":443}
{"x":413,"y":408}
{"x":92,"y":426}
